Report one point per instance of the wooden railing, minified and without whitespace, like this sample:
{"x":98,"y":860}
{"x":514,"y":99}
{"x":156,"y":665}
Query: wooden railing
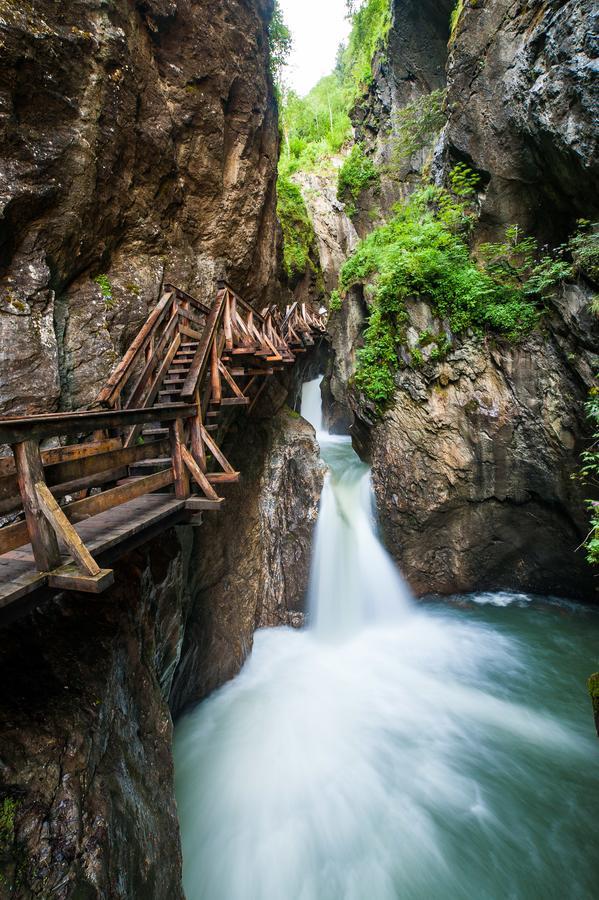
{"x":156,"y":426}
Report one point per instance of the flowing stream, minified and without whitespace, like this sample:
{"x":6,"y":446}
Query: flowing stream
{"x":434,"y":751}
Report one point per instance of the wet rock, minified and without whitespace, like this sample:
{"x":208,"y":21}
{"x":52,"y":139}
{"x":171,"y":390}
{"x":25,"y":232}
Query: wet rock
{"x":251,"y":560}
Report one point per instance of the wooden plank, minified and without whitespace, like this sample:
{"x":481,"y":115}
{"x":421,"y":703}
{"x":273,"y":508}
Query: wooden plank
{"x":156,"y":384}
{"x":200,"y":360}
{"x":116,"y":381}
{"x":91,"y":506}
{"x":193,"y":300}
{"x":65,"y":530}
{"x":13,"y":430}
{"x":136,"y":398}
{"x":216,"y":452}
{"x":227,"y":323}
{"x":195,"y":436}
{"x":198,"y":476}
{"x":217,"y":391}
{"x":222,"y":477}
{"x":203,"y":504}
{"x":63,"y":454}
{"x":177,"y":437}
{"x":230,"y":380}
{"x":189,"y":332}
{"x":29,"y":472}
{"x":70,"y":477}
{"x":68,"y":578}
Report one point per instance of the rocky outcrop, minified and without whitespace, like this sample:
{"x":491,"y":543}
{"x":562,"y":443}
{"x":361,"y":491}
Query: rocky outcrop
{"x":523,"y":110}
{"x":473,"y":467}
{"x":139,"y":144}
{"x":473,"y":461}
{"x":252,"y":560}
{"x":85,"y":738}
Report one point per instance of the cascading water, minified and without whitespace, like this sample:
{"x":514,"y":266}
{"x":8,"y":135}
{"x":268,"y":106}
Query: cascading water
{"x":393,"y":750}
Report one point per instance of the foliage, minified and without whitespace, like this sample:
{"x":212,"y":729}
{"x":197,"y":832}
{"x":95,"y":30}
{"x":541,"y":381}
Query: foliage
{"x":370,"y":25}
{"x":298,"y":233}
{"x":584,"y":247}
{"x":423,"y":251}
{"x":335,"y":301}
{"x":454,"y":20}
{"x":589,"y":474}
{"x":279,"y":43}
{"x":315,"y":126}
{"x":356,"y":174}
{"x":417,"y":124}
{"x":105,"y":289}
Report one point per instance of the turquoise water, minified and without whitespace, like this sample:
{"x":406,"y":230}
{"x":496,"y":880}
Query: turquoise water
{"x":441,"y":750}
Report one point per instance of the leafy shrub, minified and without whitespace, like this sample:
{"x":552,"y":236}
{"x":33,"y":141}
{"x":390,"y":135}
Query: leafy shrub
{"x":298,"y":232}
{"x":335,"y":301}
{"x":584,"y":247}
{"x":356,"y":174}
{"x":423,"y":251}
{"x":454,"y":19}
{"x":105,"y":289}
{"x":279,"y":43}
{"x":417,"y":125}
{"x":315,"y":126}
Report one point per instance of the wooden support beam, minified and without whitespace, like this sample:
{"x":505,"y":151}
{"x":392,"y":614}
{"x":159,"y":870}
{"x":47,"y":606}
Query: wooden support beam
{"x":29,"y":472}
{"x":227,"y":322}
{"x":197,"y":441}
{"x":217,"y":391}
{"x":64,"y":454}
{"x":65,"y":530}
{"x":203,"y":504}
{"x":230,"y":380}
{"x":68,"y":578}
{"x":217,"y":452}
{"x":198,"y":476}
{"x":177,"y":436}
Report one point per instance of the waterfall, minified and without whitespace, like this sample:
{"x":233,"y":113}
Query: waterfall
{"x":391,"y":750}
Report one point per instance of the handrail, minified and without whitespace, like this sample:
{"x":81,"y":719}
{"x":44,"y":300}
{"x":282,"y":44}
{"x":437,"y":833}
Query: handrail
{"x":197,"y":303}
{"x":14,"y":430}
{"x":200,"y":360}
{"x":118,"y":377}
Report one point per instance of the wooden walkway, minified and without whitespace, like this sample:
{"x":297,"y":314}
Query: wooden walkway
{"x":148,"y":453}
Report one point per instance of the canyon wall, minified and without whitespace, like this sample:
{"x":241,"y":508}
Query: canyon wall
{"x":473,"y":461}
{"x":139,"y":145}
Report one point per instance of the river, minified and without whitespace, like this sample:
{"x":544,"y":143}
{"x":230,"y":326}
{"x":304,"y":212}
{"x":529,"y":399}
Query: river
{"x":394,"y":750}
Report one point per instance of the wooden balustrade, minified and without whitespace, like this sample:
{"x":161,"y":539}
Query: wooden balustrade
{"x":150,"y":450}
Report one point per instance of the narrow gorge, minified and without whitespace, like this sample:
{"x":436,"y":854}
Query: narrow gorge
{"x":320,"y":288}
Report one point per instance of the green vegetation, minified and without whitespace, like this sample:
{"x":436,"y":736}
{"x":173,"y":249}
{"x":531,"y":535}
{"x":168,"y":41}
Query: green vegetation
{"x":335,"y":301}
{"x":423,"y":251}
{"x":298,"y":233}
{"x":106,"y":290}
{"x":454,"y":20}
{"x":589,"y":474}
{"x":370,"y":25}
{"x":418,"y":124}
{"x":314,"y":127}
{"x":356,"y":174}
{"x":584,"y":247}
{"x":279,"y":42}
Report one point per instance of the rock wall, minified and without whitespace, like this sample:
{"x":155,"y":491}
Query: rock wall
{"x":472,"y":462}
{"x":251,"y":561}
{"x":139,"y":143}
{"x":523,"y":110}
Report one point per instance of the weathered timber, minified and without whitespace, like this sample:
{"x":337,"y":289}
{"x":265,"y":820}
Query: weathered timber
{"x":177,"y":437}
{"x":202,"y":480}
{"x":65,"y":530}
{"x":41,"y":534}
{"x":13,"y":430}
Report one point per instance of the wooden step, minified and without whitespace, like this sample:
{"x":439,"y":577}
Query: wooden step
{"x":200,"y":504}
{"x":155,"y":432}
{"x":149,"y":466}
{"x":213,"y":414}
{"x":235,"y":401}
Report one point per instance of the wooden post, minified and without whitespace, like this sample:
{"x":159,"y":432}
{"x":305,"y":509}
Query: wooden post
{"x":28,"y":462}
{"x":217,"y":392}
{"x":197,"y":442}
{"x":227,"y":322}
{"x":65,"y":530}
{"x":177,"y":436}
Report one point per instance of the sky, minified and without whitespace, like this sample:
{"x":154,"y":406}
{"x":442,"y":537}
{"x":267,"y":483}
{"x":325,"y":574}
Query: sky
{"x":318,"y":27}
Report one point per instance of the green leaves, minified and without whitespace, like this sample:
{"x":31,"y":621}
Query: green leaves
{"x":423,"y":252}
{"x":356,"y":174}
{"x":280,"y":43}
{"x":298,"y":233}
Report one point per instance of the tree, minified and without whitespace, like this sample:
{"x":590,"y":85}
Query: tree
{"x":280,"y":44}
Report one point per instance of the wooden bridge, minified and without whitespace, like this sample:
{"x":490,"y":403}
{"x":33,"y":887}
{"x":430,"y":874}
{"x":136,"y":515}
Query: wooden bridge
{"x":148,"y":453}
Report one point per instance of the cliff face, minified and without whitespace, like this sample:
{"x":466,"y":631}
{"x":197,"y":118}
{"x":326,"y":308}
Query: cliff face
{"x":523,"y":110}
{"x":88,"y":685}
{"x":139,"y":143}
{"x":472,"y":462}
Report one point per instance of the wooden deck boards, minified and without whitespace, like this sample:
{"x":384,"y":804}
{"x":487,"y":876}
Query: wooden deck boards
{"x":18,"y":575}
